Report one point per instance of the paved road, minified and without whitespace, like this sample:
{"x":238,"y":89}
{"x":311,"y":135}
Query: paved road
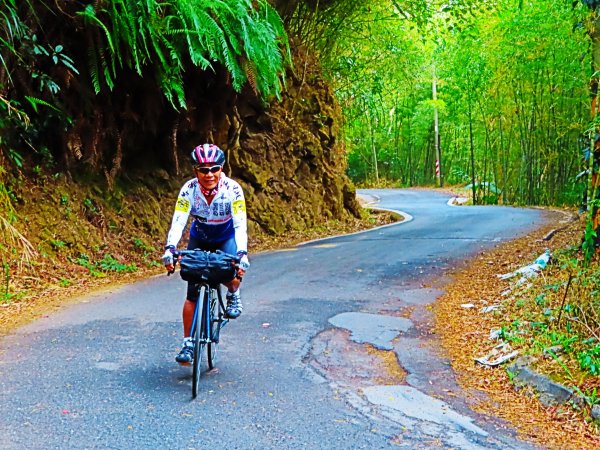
{"x":312,"y":363}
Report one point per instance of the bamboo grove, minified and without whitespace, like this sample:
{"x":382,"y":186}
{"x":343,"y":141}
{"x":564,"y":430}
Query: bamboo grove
{"x":512,"y":81}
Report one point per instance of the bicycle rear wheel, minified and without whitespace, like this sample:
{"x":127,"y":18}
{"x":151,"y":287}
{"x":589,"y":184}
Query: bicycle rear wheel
{"x":215,"y":327}
{"x":199,"y":341}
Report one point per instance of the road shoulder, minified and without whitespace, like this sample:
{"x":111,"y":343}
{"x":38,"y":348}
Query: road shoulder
{"x":465,"y":332}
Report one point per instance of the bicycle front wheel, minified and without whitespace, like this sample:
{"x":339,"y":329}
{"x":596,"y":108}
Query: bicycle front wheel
{"x":215,"y":327}
{"x":199,"y":342}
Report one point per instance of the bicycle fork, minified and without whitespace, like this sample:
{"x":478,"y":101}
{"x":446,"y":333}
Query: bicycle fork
{"x":209,"y":320}
{"x":204,"y":313}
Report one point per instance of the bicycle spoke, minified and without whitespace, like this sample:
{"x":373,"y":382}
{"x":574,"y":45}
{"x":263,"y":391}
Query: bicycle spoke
{"x":215,"y":326}
{"x":198,"y":344}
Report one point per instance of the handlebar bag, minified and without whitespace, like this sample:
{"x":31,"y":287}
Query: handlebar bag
{"x":207,"y":267}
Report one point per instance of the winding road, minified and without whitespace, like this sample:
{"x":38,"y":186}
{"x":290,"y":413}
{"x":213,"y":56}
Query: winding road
{"x":334,"y":350}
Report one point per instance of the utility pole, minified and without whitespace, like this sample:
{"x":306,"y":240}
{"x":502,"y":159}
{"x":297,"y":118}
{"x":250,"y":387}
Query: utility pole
{"x":436,"y":131}
{"x":373,"y":149}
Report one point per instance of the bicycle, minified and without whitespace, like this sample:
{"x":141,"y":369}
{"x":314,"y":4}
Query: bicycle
{"x":209,"y":270}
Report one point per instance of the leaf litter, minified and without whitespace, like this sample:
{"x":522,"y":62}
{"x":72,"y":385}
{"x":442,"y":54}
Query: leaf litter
{"x":467,"y":334}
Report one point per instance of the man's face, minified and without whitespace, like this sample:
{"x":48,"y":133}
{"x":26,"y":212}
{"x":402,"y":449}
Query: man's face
{"x":208,"y":174}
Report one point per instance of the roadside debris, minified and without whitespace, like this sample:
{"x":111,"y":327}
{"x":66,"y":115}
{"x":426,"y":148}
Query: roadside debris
{"x":495,"y":334}
{"x":499,"y":354}
{"x":551,"y":352}
{"x":529,"y":271}
{"x":458,"y":201}
{"x":503,"y":351}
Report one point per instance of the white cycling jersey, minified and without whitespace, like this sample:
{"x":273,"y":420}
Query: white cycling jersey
{"x":223,"y":219}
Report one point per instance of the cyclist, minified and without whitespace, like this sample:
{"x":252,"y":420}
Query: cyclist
{"x":217,"y":205}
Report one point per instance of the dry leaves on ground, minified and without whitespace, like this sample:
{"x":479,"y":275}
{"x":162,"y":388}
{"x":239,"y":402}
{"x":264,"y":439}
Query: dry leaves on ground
{"x":465,"y":336}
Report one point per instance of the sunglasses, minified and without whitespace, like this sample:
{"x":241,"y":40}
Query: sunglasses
{"x":205,"y":170}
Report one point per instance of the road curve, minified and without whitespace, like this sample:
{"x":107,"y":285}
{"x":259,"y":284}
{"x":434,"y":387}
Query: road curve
{"x":310,"y":364}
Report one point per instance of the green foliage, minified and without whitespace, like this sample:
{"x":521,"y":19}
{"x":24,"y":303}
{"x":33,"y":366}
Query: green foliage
{"x":245,"y":37}
{"x":563,"y":319}
{"x":23,"y":51}
{"x":6,"y":295}
{"x":107,"y":264}
{"x":89,"y":205}
{"x":512,"y":333}
{"x":589,"y":359}
{"x":141,"y":245}
{"x":327,"y":27}
{"x":590,"y":396}
{"x":148,"y":252}
{"x":564,"y":340}
{"x":382,"y":83}
{"x":157,"y":40}
{"x":512,"y":92}
{"x":35,"y":102}
{"x":565,"y":368}
{"x":58,"y":244}
{"x":9,"y":262}
{"x":588,"y":245}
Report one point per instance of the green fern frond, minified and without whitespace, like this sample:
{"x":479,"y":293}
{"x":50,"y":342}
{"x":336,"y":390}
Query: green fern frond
{"x":247,"y":37}
{"x":35,"y":102}
{"x":106,"y":71}
{"x":89,"y":14}
{"x":93,"y":69}
{"x":250,"y":71}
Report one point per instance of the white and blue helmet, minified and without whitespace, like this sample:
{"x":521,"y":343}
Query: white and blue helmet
{"x":208,"y":153}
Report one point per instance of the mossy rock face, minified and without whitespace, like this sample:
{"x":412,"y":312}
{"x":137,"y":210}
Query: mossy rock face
{"x":289,"y":160}
{"x":62,"y":220}
{"x":287,"y":156}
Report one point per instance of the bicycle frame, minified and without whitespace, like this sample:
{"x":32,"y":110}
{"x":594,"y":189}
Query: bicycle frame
{"x":207,"y":315}
{"x":209,"y":318}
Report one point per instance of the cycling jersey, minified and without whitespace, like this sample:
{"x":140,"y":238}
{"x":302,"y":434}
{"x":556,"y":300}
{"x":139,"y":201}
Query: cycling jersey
{"x":223,"y":219}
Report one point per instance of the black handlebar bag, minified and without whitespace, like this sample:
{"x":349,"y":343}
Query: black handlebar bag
{"x":207,"y":267}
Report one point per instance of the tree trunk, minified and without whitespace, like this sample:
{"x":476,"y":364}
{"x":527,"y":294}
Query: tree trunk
{"x":594,"y":143}
{"x":472,"y":148}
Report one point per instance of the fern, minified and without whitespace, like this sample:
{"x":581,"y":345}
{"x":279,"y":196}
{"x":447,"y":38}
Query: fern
{"x":89,"y":14}
{"x":246,"y":37}
{"x":35,"y":102}
{"x":93,"y":68}
{"x":250,"y":71}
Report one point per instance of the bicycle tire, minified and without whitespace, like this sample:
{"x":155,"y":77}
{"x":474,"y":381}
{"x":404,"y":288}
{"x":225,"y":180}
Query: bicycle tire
{"x":198,"y":342}
{"x":215,"y":327}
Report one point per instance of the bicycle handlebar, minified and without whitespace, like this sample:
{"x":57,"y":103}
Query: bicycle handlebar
{"x":178,"y":254}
